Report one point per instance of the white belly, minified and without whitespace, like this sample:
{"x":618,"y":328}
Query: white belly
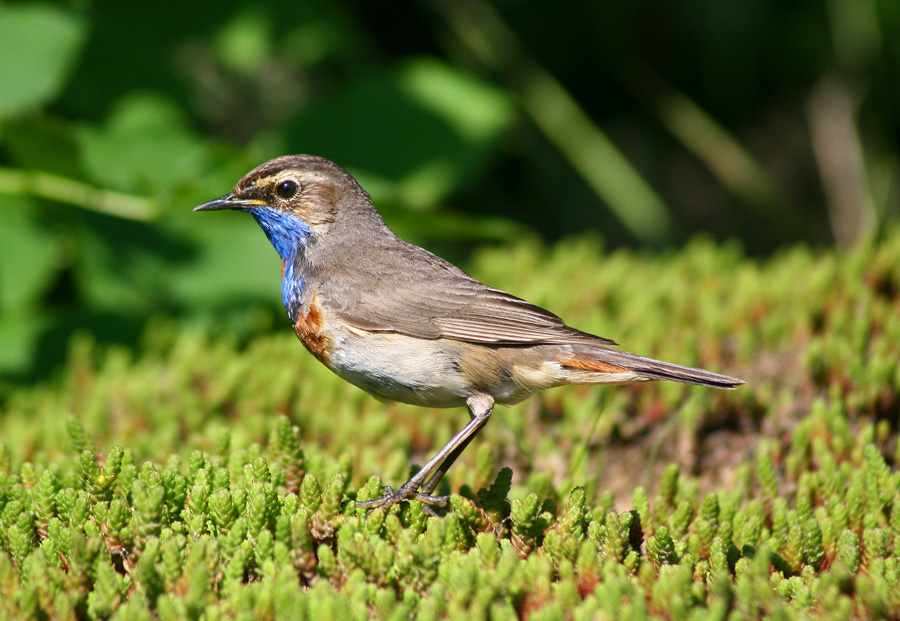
{"x":395,"y":367}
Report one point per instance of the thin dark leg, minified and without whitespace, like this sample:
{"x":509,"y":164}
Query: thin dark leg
{"x":480,"y":407}
{"x":441,"y":470}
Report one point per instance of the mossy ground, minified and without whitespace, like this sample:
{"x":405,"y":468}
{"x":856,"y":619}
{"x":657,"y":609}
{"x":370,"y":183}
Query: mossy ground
{"x":191,"y":477}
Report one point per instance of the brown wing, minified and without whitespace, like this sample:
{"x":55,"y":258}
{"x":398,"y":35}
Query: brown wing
{"x":424,"y":296}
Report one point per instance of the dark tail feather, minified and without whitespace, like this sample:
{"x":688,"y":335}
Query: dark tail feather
{"x":659,"y":370}
{"x":611,"y":360}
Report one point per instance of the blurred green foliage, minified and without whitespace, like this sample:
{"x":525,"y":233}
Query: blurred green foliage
{"x":467,"y":121}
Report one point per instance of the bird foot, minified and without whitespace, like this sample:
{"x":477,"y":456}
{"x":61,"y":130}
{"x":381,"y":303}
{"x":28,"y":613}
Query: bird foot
{"x":392,"y":497}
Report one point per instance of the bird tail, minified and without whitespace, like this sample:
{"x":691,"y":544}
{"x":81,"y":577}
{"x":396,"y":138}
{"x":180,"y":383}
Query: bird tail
{"x":600,"y":365}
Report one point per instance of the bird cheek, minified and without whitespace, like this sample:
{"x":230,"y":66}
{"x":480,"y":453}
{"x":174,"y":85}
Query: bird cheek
{"x":308,"y":215}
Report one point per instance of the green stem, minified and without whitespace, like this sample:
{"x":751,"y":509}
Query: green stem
{"x":65,"y":190}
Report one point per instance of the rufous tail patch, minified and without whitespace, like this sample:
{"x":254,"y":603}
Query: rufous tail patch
{"x":592,"y":364}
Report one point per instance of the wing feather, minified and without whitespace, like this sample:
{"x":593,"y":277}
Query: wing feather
{"x":432,"y":299}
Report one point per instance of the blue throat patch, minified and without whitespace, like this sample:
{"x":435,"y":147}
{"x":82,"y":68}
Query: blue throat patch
{"x":289,"y":235}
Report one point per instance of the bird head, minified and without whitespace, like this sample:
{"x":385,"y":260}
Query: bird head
{"x":294,"y":198}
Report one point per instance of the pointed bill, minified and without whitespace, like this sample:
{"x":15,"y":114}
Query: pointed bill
{"x":229,"y":201}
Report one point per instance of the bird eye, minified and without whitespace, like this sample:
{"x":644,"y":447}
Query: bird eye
{"x":286,"y":189}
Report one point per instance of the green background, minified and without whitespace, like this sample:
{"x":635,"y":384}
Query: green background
{"x":469,"y":122}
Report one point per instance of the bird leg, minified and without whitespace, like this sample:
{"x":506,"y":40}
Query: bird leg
{"x":480,"y":407}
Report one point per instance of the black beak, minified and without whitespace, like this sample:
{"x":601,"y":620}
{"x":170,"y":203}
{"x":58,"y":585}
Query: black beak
{"x":229,"y":201}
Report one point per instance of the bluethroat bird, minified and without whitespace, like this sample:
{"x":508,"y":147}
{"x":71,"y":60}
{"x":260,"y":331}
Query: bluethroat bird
{"x":405,"y":325}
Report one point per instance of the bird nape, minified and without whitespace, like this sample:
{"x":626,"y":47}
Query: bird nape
{"x":405,"y":325}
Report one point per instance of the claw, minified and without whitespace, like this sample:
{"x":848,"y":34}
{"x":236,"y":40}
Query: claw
{"x":391,"y":498}
{"x":428,"y":478}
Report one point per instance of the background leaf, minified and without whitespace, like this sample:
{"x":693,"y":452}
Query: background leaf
{"x":28,"y":254}
{"x":38,"y":46}
{"x":413,"y":133}
{"x":144,"y":147}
